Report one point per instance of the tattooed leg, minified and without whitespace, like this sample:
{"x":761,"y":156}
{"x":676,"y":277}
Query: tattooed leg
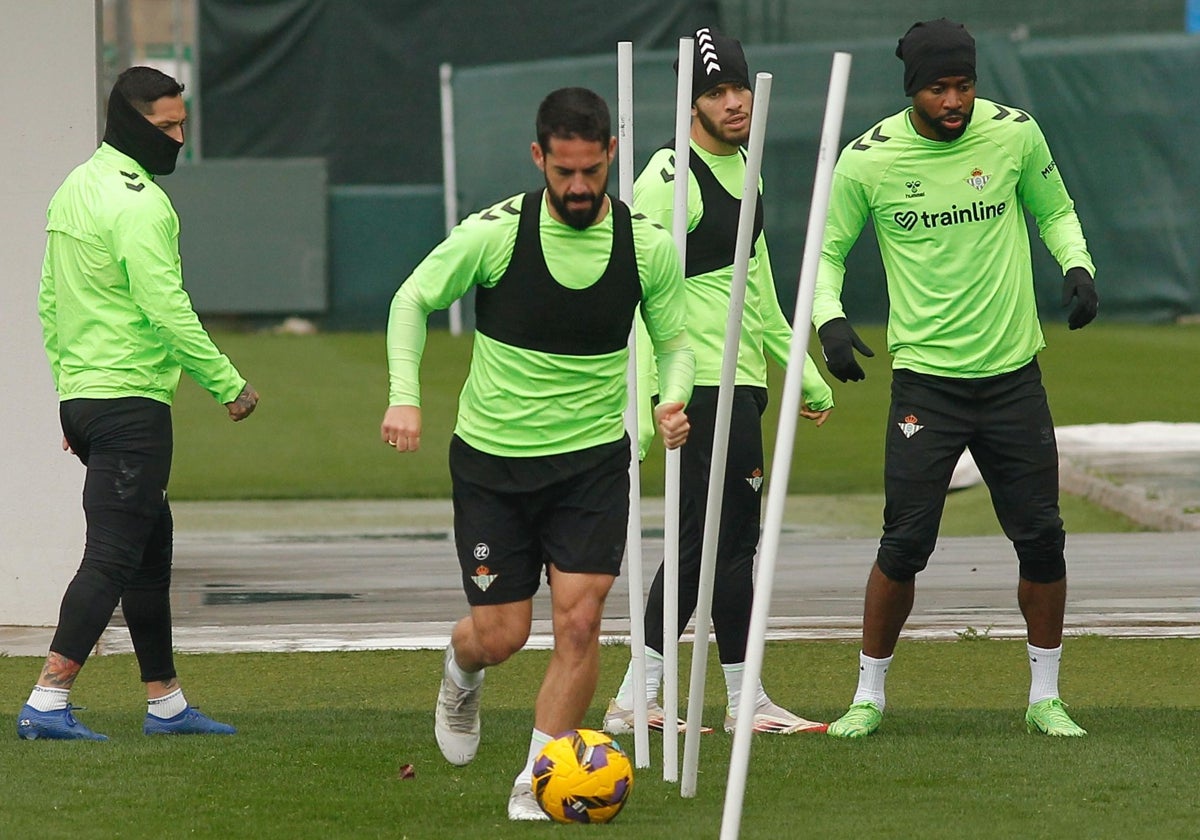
{"x":58,"y":672}
{"x":161,"y":688}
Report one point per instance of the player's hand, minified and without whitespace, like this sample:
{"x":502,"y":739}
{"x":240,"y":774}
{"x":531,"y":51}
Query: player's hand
{"x":818,"y":417}
{"x":838,"y":343}
{"x":67,"y":446}
{"x":672,"y":424}
{"x":1078,"y":284}
{"x":244,"y":405}
{"x":401,"y":427}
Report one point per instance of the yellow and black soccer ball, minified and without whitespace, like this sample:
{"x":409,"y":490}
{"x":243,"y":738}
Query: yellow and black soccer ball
{"x":582,"y":776}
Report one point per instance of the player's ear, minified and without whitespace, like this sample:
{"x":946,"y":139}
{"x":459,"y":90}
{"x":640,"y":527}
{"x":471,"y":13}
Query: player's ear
{"x":539,"y":159}
{"x":612,"y":148}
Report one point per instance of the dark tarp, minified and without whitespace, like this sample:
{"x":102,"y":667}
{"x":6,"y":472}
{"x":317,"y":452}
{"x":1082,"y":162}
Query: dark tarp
{"x":808,"y":21}
{"x":1116,"y":112}
{"x":356,"y":81}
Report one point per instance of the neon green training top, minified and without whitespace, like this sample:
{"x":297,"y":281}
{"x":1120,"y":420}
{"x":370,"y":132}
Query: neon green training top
{"x":522,"y":402}
{"x":116,"y":321}
{"x":948,"y":217}
{"x":764,"y":327}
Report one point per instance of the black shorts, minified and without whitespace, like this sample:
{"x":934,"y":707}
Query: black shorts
{"x":1005,"y":421}
{"x":515,"y":516}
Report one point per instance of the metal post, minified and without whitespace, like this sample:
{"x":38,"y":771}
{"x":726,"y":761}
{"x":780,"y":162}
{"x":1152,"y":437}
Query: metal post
{"x":735,"y":788}
{"x":633,"y":541}
{"x":449,"y":175}
{"x":724,"y":412}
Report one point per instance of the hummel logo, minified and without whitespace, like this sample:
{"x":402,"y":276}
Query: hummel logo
{"x":644,"y":217}
{"x":1004,"y":113}
{"x":126,"y":484}
{"x":507,"y":207}
{"x":708,"y":52}
{"x":877,"y":135}
{"x":135,"y":187}
{"x":132,"y":176}
{"x":668,"y":176}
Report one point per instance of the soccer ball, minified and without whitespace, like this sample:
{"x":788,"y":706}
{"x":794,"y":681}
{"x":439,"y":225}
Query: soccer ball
{"x":582,"y":776}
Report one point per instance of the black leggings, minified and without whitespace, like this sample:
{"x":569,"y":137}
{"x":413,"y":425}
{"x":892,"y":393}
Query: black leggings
{"x":126,"y":445}
{"x":733,"y":582}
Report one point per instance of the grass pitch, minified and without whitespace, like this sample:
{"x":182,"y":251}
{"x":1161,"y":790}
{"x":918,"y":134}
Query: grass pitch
{"x":316,"y":432}
{"x":323,"y":736}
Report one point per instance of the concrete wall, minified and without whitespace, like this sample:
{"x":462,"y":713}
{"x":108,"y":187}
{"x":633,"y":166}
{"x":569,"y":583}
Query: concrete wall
{"x":48,"y":65}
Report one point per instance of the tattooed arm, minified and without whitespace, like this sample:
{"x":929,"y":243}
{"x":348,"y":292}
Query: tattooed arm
{"x":244,"y":405}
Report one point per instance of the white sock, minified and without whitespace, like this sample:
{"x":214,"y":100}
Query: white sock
{"x":654,"y":676}
{"x":733,"y":684}
{"x":537,"y":740}
{"x":168,"y":705}
{"x":733,"y":687}
{"x":464,"y":679}
{"x":46,"y":699}
{"x":871,"y":675}
{"x":1043,"y":672}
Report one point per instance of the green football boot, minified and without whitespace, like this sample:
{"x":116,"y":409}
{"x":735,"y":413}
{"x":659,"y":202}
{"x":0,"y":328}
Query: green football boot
{"x":1050,"y":717}
{"x":860,"y":720}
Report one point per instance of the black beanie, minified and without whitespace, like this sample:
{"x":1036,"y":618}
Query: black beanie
{"x":127,"y":130}
{"x":716,"y":59}
{"x":933,"y":50}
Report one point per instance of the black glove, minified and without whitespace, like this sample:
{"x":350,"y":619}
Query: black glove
{"x":838,"y":343}
{"x":1079,"y":284}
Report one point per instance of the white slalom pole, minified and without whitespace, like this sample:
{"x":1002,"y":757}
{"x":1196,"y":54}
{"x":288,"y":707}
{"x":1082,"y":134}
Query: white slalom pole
{"x":449,"y":176}
{"x":720,"y":451}
{"x":679,"y":230}
{"x":785,"y":438}
{"x":633,"y":540}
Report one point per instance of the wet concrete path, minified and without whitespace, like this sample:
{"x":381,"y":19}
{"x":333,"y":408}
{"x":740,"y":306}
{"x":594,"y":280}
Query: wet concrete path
{"x":362,"y":575}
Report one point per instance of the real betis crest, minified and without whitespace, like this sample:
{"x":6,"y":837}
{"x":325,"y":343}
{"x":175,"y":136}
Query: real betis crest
{"x":910,"y":426}
{"x":483,"y":578}
{"x":977,"y":179}
{"x":755,"y":479}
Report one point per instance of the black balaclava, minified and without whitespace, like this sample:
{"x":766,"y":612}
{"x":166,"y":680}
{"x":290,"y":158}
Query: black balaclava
{"x":933,"y":50}
{"x":127,"y":130}
{"x":716,"y":59}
